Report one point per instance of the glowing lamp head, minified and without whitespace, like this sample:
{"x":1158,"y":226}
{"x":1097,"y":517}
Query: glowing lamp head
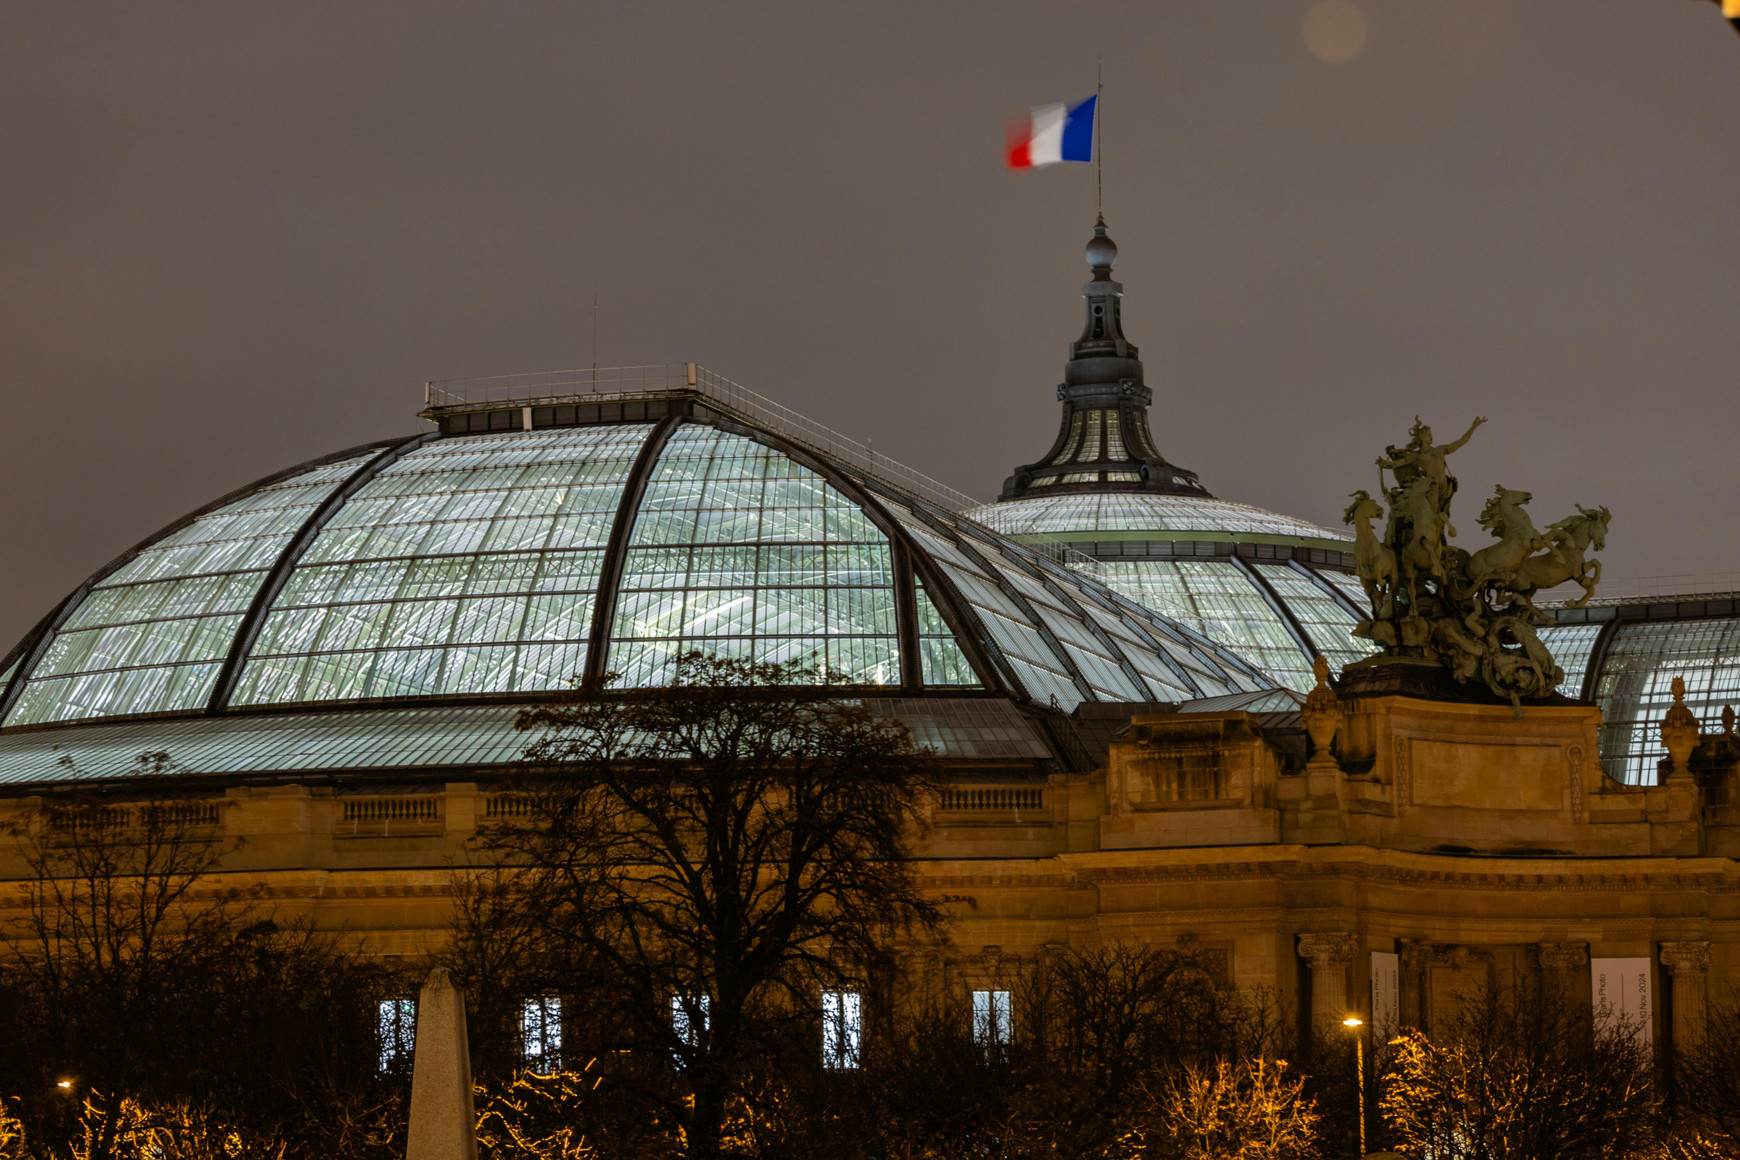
{"x":1353,"y":1021}
{"x":64,"y":1085}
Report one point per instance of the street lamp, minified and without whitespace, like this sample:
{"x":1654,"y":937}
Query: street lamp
{"x":1354,"y":1023}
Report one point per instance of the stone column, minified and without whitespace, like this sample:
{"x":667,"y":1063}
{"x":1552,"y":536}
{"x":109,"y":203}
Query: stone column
{"x":1414,"y":955}
{"x":1689,"y":965}
{"x":443,"y":1122}
{"x":1329,"y":956}
{"x":1558,"y":960}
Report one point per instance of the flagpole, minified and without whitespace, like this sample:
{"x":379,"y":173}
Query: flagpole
{"x":1099,"y":141}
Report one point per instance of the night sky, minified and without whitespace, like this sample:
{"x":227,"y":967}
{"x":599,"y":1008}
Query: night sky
{"x":235,"y":236}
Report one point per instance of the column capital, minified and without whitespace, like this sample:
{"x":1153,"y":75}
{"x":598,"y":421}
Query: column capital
{"x":1685,"y":958}
{"x":1562,"y":956}
{"x":1327,"y":951}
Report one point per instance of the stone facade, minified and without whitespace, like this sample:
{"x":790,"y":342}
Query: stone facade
{"x":1461,"y":838}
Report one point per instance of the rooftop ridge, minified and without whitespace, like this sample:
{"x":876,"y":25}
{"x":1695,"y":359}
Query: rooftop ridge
{"x":1644,"y":593}
{"x":667,"y":380}
{"x":674,"y":380}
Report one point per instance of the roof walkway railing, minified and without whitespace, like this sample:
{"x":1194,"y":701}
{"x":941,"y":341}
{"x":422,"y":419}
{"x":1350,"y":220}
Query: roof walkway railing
{"x":672,"y":380}
{"x":664,"y":380}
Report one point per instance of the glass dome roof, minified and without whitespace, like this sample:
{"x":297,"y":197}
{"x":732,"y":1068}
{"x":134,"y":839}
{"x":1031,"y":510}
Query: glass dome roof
{"x":1272,"y":588}
{"x":1114,"y":515}
{"x":1622,"y":653}
{"x":514,"y":562}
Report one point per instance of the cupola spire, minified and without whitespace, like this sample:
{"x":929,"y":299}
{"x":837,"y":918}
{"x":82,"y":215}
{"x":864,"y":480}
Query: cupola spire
{"x":1103,"y":443}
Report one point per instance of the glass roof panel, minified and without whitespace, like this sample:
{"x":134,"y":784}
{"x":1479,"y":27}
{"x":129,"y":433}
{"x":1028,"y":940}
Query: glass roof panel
{"x":1170,"y":516}
{"x":1091,"y":656}
{"x":1570,"y":645}
{"x":1208,"y":665}
{"x":1325,"y":620}
{"x":738,"y":550}
{"x":1216,"y":599}
{"x":468,"y":565}
{"x":941,"y":660}
{"x":471,"y":564}
{"x":421,"y":737}
{"x":1634,"y":687}
{"x":1348,"y":583}
{"x":152,"y":636}
{"x":1017,"y":636}
{"x":1039,"y":668}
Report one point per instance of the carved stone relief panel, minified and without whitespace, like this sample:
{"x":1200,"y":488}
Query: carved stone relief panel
{"x":1574,"y":769}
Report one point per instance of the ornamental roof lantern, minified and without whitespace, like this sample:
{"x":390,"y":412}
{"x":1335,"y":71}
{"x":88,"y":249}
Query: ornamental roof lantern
{"x":1103,"y":443}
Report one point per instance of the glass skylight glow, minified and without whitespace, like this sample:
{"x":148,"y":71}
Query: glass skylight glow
{"x":939,"y":653}
{"x":740,"y":551}
{"x":1001,"y":582}
{"x":1325,"y":619}
{"x":1635,"y":687}
{"x":1090,"y":448}
{"x":153,"y":636}
{"x":1054,"y":515}
{"x":1570,"y":645}
{"x":1070,"y":442}
{"x":470,"y":565}
{"x":1216,"y":599}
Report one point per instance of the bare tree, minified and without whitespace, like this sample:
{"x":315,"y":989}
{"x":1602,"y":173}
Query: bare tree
{"x":1099,"y":1037}
{"x":111,"y":937}
{"x":1522,"y":1075}
{"x":1249,"y":1109}
{"x":702,"y":861}
{"x":1706,"y":1088}
{"x":143,"y":1000}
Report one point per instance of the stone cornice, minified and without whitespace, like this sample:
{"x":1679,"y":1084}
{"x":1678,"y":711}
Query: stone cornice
{"x":1363,"y":863}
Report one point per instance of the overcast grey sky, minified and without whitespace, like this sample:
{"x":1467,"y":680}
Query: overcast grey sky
{"x":234,"y":236}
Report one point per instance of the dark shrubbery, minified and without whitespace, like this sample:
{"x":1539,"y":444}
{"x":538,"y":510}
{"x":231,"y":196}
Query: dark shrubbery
{"x":174,"y":1011}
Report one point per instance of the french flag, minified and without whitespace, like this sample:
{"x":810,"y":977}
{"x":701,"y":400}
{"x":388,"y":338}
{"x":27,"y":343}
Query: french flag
{"x":1056,"y":133}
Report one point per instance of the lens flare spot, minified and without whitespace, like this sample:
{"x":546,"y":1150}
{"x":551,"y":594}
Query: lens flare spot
{"x":1335,"y":31}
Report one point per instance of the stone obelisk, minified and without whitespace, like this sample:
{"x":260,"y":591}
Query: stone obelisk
{"x":443,"y":1119}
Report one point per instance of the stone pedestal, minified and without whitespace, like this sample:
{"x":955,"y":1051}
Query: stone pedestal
{"x":1449,"y":776}
{"x":443,"y":1118}
{"x":1688,"y":963}
{"x":1329,"y":956}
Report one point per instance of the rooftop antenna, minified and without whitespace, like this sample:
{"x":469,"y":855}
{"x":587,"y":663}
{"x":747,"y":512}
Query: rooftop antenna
{"x":595,"y":341}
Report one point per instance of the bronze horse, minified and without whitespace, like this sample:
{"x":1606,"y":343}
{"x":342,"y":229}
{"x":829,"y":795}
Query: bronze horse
{"x":1563,"y":562}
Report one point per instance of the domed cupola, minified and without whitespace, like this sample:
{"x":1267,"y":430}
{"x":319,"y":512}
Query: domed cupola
{"x":1103,"y":442}
{"x":1275,"y":589}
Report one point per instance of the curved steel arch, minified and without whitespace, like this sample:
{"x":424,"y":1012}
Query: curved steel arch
{"x":249,"y":631}
{"x":45,"y":630}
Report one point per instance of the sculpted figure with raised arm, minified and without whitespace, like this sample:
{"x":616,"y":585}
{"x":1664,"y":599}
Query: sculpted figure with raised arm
{"x":1472,"y":614}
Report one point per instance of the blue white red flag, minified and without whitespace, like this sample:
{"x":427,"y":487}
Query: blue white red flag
{"x":1056,"y":133}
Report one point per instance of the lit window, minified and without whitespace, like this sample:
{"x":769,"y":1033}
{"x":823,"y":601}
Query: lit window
{"x":993,"y":1026}
{"x":1070,"y":440}
{"x":541,"y":1032}
{"x":1114,"y":438}
{"x":397,"y":1019}
{"x":689,"y":1017}
{"x":1090,"y":448}
{"x":842,"y":1028}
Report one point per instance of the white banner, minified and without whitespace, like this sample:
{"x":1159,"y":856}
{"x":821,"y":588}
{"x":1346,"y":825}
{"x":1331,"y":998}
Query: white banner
{"x":1386,"y":1020}
{"x":1622,"y":995}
